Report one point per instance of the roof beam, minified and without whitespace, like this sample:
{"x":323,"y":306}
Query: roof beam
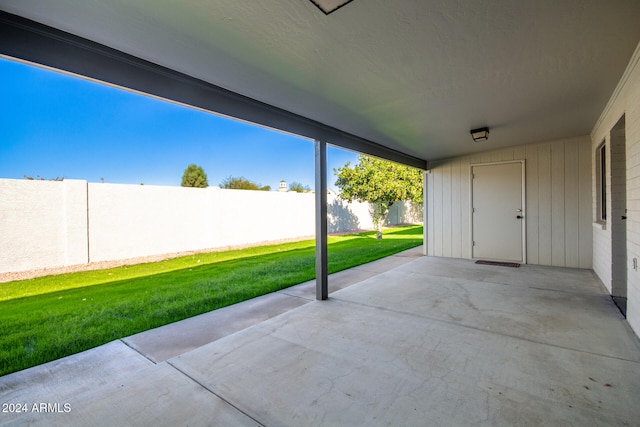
{"x":30,"y":41}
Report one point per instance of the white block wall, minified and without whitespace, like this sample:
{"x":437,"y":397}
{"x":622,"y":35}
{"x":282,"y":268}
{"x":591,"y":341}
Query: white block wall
{"x":75,"y":229}
{"x":128,"y":221}
{"x":625,"y":101}
{"x":51,"y":224}
{"x":43,"y":222}
{"x":246,"y":217}
{"x":558,"y":202}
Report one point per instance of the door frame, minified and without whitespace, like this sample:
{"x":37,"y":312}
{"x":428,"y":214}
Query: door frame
{"x":617,"y":214}
{"x":522,"y":163}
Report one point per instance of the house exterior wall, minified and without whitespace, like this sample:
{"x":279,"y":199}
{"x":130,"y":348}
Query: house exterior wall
{"x":47,"y":224}
{"x":625,"y":101}
{"x":558,"y":202}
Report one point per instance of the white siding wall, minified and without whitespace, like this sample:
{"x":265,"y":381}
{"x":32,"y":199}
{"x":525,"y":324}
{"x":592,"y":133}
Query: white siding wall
{"x":625,"y":101}
{"x":558,"y":202}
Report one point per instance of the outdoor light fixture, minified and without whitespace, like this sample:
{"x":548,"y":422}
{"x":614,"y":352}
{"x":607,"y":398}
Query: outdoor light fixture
{"x":480,"y":134}
{"x":328,"y":6}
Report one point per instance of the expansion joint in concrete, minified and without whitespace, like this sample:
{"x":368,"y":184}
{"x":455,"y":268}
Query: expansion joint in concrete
{"x":295,"y":296}
{"x":138,"y":351}
{"x":214,"y":393}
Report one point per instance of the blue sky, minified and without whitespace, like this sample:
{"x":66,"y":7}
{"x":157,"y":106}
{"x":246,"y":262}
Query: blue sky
{"x":55,"y":125}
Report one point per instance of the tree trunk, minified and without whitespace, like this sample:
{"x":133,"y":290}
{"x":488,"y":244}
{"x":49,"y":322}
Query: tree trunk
{"x":379,"y":214}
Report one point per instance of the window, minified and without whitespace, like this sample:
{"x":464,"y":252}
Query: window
{"x":601,"y":182}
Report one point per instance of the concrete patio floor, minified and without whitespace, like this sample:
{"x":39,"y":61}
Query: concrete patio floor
{"x":408,"y":340}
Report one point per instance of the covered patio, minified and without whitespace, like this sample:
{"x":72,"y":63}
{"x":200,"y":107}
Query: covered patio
{"x":408,"y":340}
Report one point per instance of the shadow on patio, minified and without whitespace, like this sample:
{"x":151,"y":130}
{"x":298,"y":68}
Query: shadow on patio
{"x":413,"y":341}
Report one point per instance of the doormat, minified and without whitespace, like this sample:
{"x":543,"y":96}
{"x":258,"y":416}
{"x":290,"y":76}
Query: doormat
{"x":500,"y":264}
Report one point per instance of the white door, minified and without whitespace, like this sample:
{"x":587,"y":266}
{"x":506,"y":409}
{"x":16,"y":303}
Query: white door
{"x":498,"y":212}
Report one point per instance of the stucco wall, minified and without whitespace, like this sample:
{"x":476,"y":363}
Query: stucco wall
{"x":127,"y":221}
{"x":624,"y":102}
{"x":43,"y":222}
{"x":260,"y":216}
{"x":51,"y":224}
{"x":558,"y":202}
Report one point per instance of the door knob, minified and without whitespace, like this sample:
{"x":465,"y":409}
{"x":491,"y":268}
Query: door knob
{"x":519,"y":217}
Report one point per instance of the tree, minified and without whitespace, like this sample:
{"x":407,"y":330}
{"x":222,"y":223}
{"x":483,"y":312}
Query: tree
{"x":194,"y":176}
{"x":299,"y":188}
{"x":381,"y":183}
{"x":241,"y":183}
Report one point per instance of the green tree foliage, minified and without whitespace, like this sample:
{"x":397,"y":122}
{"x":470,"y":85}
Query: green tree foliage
{"x":299,"y":188}
{"x":194,"y":176}
{"x":381,"y":183}
{"x":241,"y":183}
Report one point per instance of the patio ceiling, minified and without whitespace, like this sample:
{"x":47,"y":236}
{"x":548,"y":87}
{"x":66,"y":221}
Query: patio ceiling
{"x":412,"y":75}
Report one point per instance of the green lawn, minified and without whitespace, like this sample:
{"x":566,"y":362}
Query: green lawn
{"x":50,"y":317}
